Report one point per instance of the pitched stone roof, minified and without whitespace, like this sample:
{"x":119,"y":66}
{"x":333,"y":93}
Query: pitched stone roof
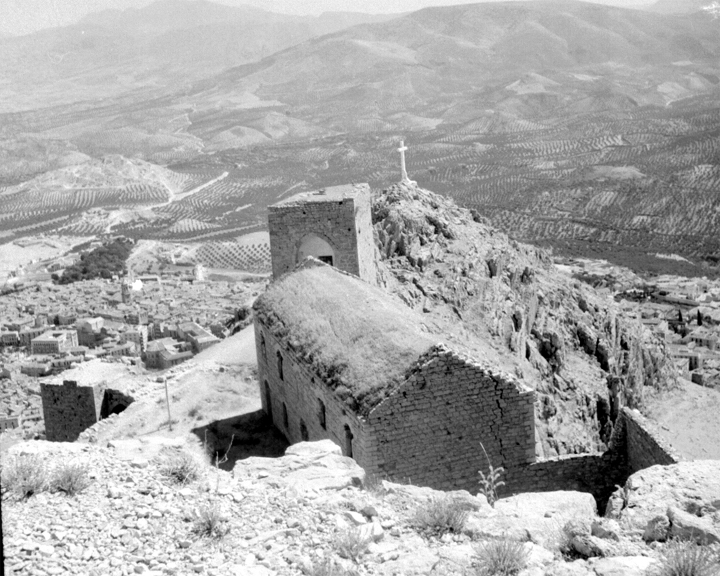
{"x":359,"y":338}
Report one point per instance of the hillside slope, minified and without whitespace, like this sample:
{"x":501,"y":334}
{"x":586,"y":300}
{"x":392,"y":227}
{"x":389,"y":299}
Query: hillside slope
{"x":584,"y":358}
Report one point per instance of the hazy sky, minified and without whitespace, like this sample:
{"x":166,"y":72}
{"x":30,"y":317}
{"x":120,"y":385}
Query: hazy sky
{"x":26,"y":16}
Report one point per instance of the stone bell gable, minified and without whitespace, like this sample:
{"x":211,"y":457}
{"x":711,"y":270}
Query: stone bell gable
{"x":331,"y":224}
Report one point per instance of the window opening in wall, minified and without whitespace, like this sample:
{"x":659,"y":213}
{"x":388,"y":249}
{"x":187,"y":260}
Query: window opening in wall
{"x":280,"y":366}
{"x":304,"y":431}
{"x":263,"y":349}
{"x":348,"y":441}
{"x":326,"y":259}
{"x":285,"y":417}
{"x":321,"y":413}
{"x":268,"y":399}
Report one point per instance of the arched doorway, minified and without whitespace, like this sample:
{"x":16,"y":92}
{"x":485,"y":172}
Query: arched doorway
{"x":314,"y":245}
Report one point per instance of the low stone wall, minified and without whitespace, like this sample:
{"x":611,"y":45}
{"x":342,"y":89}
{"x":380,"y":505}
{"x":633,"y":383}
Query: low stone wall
{"x":597,"y":474}
{"x":643,"y":442}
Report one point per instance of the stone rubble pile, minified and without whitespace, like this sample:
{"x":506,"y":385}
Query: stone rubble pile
{"x":282,"y":517}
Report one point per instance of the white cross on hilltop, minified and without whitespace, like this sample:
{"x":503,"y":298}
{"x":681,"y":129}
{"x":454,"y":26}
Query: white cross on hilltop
{"x":403,"y":170}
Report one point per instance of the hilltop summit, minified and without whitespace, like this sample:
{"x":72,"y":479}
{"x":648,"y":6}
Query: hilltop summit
{"x":583,"y":357}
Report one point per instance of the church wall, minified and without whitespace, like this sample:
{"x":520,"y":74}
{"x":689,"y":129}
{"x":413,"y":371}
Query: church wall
{"x":301,"y":391}
{"x":430,"y":431}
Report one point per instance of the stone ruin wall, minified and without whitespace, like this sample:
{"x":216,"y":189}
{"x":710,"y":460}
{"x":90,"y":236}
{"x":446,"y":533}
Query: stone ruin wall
{"x":69,"y":409}
{"x":345,"y":224}
{"x":643,"y":443}
{"x":430,"y":431}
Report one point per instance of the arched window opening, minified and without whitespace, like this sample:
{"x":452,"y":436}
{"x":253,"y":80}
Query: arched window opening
{"x":314,"y":245}
{"x":321,"y":414}
{"x":280,"y":366}
{"x":304,"y":431}
{"x":285,"y":417}
{"x":268,"y":400}
{"x":348,"y":442}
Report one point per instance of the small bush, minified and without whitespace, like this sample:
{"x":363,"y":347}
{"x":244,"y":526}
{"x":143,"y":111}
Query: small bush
{"x":373,"y":483}
{"x":501,"y":558}
{"x":24,"y":475}
{"x":180,"y":467}
{"x":209,"y":521}
{"x":330,"y":567}
{"x":71,"y":478}
{"x":440,"y":516}
{"x":351,"y":544}
{"x":490,"y":483}
{"x":685,"y":558}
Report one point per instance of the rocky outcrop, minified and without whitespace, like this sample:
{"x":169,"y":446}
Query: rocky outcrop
{"x":681,"y":501}
{"x":585,"y":359}
{"x":307,"y":509}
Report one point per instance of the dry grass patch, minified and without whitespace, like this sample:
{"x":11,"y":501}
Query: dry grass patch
{"x":179,"y":466}
{"x":685,"y":558}
{"x":439,"y":516}
{"x":24,"y":475}
{"x":501,"y":558}
{"x":210,"y":522}
{"x":351,"y":544}
{"x":71,"y":478}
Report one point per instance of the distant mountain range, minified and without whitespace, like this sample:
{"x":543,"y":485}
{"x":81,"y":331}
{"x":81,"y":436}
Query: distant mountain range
{"x":165,"y":44}
{"x":679,"y":6}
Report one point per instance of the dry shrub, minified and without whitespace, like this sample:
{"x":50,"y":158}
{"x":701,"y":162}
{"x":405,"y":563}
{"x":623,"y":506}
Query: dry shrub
{"x":685,"y":558}
{"x":351,"y":544}
{"x":210,"y":522}
{"x":330,"y":567}
{"x":501,"y":558}
{"x":440,"y":516}
{"x":179,"y":466}
{"x":71,"y":478}
{"x":24,"y":475}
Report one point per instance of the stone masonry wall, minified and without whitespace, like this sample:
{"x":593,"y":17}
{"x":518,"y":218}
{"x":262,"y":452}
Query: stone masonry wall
{"x":345,"y":223}
{"x":300,"y":392}
{"x":430,"y":430}
{"x":69,"y":409}
{"x":643,"y":443}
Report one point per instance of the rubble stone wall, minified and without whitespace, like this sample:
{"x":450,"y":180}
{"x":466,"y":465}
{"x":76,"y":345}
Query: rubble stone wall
{"x":69,"y":409}
{"x":344,"y":223}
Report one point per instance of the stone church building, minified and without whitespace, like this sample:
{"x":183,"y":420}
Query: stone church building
{"x":340,"y":358}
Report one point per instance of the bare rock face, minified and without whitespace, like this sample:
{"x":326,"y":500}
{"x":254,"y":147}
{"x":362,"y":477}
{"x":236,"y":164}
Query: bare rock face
{"x":306,"y":466}
{"x":585,"y":360}
{"x":537,"y":516}
{"x":681,"y":500}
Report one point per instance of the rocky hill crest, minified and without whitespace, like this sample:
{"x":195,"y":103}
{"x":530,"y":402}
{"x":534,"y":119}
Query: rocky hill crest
{"x":584,"y":358}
